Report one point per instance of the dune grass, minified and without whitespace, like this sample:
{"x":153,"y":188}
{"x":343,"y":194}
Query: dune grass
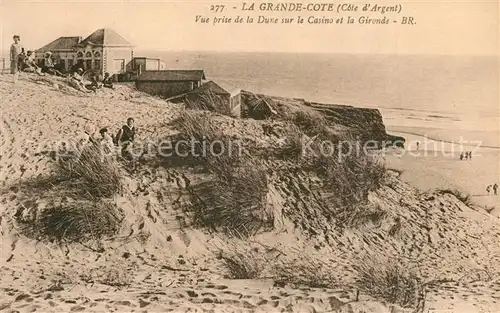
{"x":233,"y":201}
{"x":91,"y":171}
{"x":241,"y":265}
{"x":305,"y":272}
{"x":208,"y":101}
{"x":77,"y":197}
{"x":389,"y":280}
{"x":76,"y":221}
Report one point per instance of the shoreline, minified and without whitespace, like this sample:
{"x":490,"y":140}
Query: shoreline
{"x":487,"y":139}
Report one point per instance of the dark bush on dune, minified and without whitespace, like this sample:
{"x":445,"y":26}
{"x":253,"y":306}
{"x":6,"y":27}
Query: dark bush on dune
{"x":76,"y":221}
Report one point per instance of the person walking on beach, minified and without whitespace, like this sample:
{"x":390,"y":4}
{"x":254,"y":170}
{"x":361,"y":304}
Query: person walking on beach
{"x":15,"y":50}
{"x":418,"y":145}
{"x":495,"y":188}
{"x":488,"y":189}
{"x":470,"y":155}
{"x":461,"y":156}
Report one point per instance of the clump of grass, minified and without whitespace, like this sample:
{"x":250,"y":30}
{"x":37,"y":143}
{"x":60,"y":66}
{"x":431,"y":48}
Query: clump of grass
{"x":465,"y":198}
{"x":312,"y":123}
{"x":208,"y":101}
{"x":389,"y":280}
{"x":291,"y":148}
{"x":75,"y":221}
{"x":305,"y":271}
{"x":234,"y":201}
{"x":347,"y":181}
{"x":202,"y":139}
{"x":241,"y":265}
{"x":91,"y":171}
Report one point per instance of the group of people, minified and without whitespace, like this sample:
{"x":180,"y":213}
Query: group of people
{"x":123,"y":140}
{"x":26,"y":62}
{"x":466,"y":156}
{"x":78,"y":81}
{"x":494,"y":187}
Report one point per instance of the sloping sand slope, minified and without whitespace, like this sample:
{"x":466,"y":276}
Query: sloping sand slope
{"x":159,"y":262}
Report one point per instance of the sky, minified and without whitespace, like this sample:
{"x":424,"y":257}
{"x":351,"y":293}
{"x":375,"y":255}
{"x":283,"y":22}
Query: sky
{"x":442,"y":27}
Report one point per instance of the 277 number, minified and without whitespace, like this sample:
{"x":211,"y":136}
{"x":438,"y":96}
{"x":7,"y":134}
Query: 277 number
{"x":217,"y":8}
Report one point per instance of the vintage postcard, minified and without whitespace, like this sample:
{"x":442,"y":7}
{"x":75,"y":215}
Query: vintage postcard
{"x":250,"y":156}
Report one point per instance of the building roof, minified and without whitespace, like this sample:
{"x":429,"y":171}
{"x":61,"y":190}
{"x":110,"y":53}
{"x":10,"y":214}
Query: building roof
{"x":217,"y":89}
{"x":61,"y":44}
{"x":105,"y":37}
{"x":172,"y":75}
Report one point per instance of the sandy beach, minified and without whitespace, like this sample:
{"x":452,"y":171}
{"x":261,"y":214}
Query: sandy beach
{"x":436,"y":165}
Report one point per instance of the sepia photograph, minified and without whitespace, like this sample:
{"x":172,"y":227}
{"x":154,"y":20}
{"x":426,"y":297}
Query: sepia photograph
{"x":250,"y":156}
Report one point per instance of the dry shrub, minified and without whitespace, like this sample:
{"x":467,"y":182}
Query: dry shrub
{"x":242,"y":264}
{"x":234,"y":201}
{"x":306,"y":271}
{"x":75,"y":221}
{"x":205,"y":141}
{"x":208,"y":101}
{"x":312,"y":123}
{"x":92,"y":172}
{"x":390,"y":280}
{"x":291,"y":148}
{"x":347,"y":181}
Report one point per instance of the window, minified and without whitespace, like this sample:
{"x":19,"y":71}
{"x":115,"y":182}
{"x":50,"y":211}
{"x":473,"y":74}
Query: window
{"x":80,"y":54}
{"x":70,"y":63}
{"x":88,"y":54}
{"x":97,"y":64}
{"x":88,"y":64}
{"x":97,"y":54}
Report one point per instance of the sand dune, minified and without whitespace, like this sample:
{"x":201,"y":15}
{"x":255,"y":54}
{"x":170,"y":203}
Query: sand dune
{"x":160,"y":261}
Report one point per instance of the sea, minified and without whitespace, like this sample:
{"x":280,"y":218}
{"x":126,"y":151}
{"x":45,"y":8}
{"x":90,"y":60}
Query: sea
{"x":435,"y":91}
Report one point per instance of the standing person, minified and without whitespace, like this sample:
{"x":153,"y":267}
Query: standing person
{"x":470,"y":155}
{"x":125,"y":138}
{"x":15,"y":50}
{"x":495,"y":188}
{"x":418,"y":145}
{"x":488,"y":189}
{"x":461,"y":156}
